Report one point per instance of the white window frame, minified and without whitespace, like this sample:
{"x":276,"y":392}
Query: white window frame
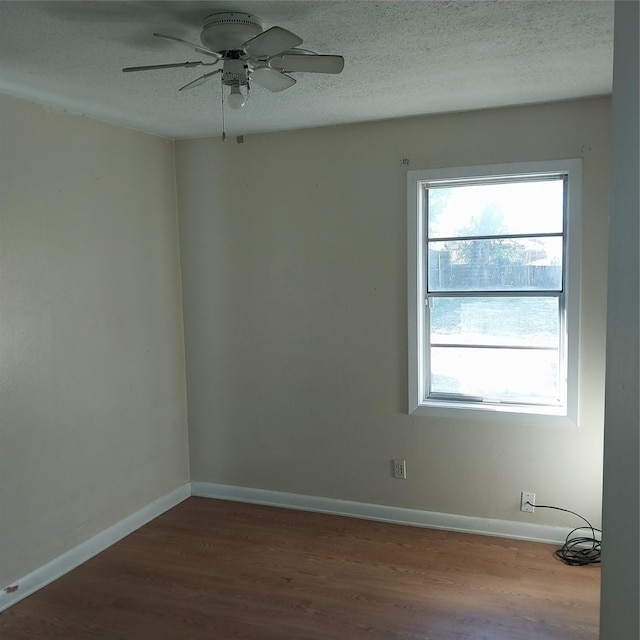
{"x":418,"y":404}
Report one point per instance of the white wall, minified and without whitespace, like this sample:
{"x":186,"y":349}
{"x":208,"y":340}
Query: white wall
{"x":92,"y":380}
{"x":294,"y":286}
{"x":620,"y":615}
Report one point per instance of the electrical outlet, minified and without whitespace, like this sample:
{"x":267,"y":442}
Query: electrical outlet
{"x":527,"y":500}
{"x":400,"y":469}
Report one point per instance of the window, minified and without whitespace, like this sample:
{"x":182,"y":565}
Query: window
{"x":493,"y":262}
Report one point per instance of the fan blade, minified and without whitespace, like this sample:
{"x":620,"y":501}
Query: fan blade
{"x":271,"y":42}
{"x":196,"y":47}
{"x":201,"y":80}
{"x":151,"y":67}
{"x":271,"y":79}
{"x":309,"y":63}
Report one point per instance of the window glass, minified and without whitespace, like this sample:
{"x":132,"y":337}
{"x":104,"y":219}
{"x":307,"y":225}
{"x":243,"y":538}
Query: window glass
{"x":529,"y":376}
{"x":496,"y":264}
{"x":512,"y":208}
{"x":530,"y":322}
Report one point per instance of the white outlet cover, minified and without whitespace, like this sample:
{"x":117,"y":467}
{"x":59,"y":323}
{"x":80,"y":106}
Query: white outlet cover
{"x":400,"y":469}
{"x":525,"y":498}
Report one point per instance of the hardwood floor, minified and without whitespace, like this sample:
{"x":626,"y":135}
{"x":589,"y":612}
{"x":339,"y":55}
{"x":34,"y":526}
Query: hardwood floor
{"x":211,"y":569}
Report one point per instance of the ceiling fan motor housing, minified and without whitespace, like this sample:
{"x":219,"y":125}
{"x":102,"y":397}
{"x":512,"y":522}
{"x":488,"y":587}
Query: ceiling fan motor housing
{"x":229,"y":31}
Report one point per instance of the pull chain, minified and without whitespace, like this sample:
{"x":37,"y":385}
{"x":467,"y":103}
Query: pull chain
{"x":224,"y":134}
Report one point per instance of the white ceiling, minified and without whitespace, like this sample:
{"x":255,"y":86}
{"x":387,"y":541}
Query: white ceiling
{"x":401,"y":59}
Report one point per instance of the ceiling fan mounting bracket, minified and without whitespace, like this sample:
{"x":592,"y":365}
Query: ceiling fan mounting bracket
{"x":229,"y":31}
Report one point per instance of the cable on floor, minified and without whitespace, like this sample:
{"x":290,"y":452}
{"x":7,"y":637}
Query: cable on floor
{"x":581,"y":550}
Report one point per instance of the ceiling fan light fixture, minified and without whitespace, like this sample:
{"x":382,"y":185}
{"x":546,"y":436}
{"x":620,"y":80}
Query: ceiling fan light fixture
{"x":236,"y":99}
{"x":235,"y":77}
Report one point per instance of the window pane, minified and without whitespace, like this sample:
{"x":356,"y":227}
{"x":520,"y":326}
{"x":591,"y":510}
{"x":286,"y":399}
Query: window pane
{"x":529,"y":208}
{"x":496,"y":264}
{"x":492,"y":374}
{"x":512,"y":321}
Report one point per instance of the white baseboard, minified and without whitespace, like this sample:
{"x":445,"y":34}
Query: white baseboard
{"x":415,"y":517}
{"x":49,"y":572}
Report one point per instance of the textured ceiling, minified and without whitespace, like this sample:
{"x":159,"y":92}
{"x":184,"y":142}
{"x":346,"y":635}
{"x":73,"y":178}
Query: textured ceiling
{"x":401,"y":59}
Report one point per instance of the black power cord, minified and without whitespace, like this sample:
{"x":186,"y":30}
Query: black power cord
{"x":581,"y":550}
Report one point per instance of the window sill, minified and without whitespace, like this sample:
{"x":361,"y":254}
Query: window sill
{"x":498,"y":414}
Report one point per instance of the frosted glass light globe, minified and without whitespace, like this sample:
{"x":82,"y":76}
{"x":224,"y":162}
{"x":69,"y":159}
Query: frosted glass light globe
{"x":236,"y":99}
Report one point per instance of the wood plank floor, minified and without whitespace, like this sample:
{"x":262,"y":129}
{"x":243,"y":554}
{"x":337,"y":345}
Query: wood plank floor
{"x":211,"y":569}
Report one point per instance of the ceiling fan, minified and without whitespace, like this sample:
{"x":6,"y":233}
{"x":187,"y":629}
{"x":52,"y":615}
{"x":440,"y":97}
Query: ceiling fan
{"x":248,"y":54}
